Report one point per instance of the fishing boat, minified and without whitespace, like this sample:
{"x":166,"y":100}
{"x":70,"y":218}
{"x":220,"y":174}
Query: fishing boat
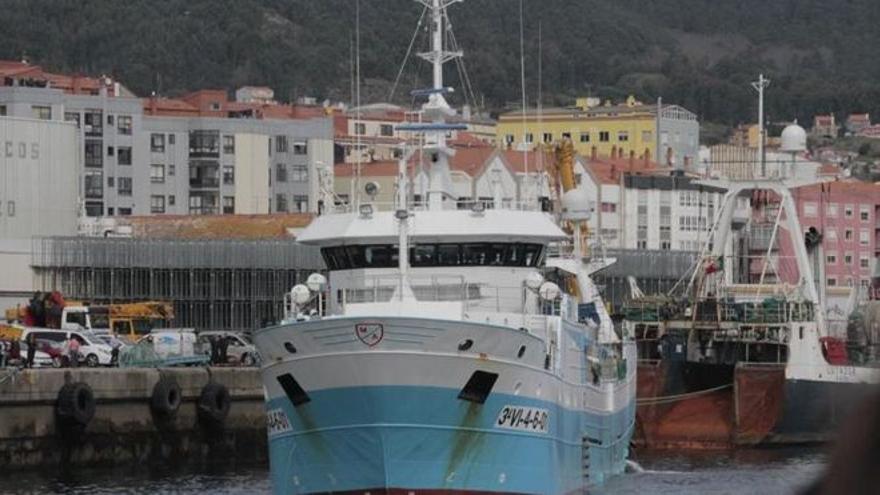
{"x":738,"y":359}
{"x":453,"y":346}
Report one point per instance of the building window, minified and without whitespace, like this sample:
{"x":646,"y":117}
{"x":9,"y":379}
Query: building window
{"x":125,"y":212}
{"x":585,"y":137}
{"x":228,"y":205}
{"x":171,"y":170}
{"x":647,"y":136}
{"x":609,"y":207}
{"x":831,"y":259}
{"x":171,"y":200}
{"x":157,"y":143}
{"x":110,"y":151}
{"x":548,"y":137}
{"x":281,"y":203}
{"x":864,"y":262}
{"x":228,"y":144}
{"x":566,"y":135}
{"x":530,"y":138}
{"x":93,"y":154}
{"x":41,"y":112}
{"x":508,"y":138}
{"x":280,"y":173}
{"x":623,"y":136}
{"x":831,"y":210}
{"x":110,"y":182}
{"x":123,"y":155}
{"x":228,"y":174}
{"x":810,"y":209}
{"x":386,"y":130}
{"x":171,"y":139}
{"x":110,"y":120}
{"x":301,"y":203}
{"x":604,"y":137}
{"x":72,"y":117}
{"x":94,"y":123}
{"x":300,"y":173}
{"x":848,"y":259}
{"x":848,"y":211}
{"x":157,"y":173}
{"x":281,"y":144}
{"x":94,"y":184}
{"x":864,"y":237}
{"x":848,"y":235}
{"x":123,"y":125}
{"x":204,"y":143}
{"x":123,"y":186}
{"x":157,"y":204}
{"x":3,"y":111}
{"x":831,"y":282}
{"x":300,"y":148}
{"x":831,"y":235}
{"x":864,"y":214}
{"x":360,"y":129}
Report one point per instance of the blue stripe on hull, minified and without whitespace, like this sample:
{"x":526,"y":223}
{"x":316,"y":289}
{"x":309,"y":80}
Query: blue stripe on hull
{"x":424,"y":438}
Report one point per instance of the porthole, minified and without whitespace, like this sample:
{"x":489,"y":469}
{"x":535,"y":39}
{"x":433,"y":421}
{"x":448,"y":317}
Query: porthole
{"x":290,"y":348}
{"x":521,"y":352}
{"x":465,"y":344}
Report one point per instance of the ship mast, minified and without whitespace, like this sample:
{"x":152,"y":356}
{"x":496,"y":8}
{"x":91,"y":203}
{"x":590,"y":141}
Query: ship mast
{"x":437,"y":109}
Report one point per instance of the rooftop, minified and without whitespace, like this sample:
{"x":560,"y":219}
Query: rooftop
{"x":241,"y":227}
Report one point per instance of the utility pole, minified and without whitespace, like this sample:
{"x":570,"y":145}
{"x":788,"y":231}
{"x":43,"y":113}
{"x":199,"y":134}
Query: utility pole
{"x":759,"y":86}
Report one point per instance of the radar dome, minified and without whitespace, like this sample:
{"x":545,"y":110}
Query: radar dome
{"x":794,"y":139}
{"x":576,"y":205}
{"x":300,"y":294}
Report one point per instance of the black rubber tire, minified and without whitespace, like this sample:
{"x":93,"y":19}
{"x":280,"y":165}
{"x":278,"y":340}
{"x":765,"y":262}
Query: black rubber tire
{"x":92,"y":361}
{"x":214,"y":404}
{"x":76,"y":403}
{"x":166,"y":397}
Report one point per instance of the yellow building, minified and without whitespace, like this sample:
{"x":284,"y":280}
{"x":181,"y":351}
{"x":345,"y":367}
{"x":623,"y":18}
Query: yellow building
{"x":607,"y":129}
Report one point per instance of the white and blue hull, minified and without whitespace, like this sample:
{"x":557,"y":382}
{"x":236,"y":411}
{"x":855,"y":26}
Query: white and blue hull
{"x":387,"y":416}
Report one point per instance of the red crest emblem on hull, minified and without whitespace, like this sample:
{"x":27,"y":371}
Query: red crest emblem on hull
{"x":369,"y":333}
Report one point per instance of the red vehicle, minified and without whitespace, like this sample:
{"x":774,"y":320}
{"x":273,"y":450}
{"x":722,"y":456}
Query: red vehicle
{"x":54,"y":351}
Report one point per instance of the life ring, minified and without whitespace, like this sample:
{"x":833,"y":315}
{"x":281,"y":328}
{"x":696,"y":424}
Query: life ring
{"x":166,"y":398}
{"x":214,"y":404}
{"x":76,"y":404}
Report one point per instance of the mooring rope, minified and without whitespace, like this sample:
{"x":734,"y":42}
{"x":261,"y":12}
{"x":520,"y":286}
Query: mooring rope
{"x":674,"y":398}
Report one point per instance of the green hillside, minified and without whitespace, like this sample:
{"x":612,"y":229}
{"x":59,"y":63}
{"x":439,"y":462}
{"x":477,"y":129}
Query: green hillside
{"x":821,"y":55}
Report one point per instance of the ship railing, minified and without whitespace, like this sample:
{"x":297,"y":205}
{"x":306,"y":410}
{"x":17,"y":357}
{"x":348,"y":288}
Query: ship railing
{"x":422,"y":205}
{"x":767,"y":312}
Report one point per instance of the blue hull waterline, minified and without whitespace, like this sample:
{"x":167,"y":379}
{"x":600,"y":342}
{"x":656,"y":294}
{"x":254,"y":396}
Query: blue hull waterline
{"x":424,"y":438}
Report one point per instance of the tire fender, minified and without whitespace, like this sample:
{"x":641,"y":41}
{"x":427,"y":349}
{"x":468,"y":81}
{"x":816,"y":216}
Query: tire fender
{"x":166,"y":397}
{"x":75,"y":404}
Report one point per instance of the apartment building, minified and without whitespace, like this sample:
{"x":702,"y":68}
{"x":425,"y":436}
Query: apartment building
{"x":198,"y":154}
{"x":611,"y":128}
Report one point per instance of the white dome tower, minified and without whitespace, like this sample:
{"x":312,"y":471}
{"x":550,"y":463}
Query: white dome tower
{"x":794,"y":139}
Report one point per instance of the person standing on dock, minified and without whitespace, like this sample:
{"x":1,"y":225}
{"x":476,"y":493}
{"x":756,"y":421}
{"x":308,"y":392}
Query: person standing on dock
{"x":31,"y":350}
{"x":73,"y":351}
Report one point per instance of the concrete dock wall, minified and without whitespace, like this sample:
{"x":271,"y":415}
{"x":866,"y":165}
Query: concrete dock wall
{"x":125,"y":429}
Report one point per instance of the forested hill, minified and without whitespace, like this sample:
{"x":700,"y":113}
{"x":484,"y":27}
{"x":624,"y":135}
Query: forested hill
{"x":822,"y":55}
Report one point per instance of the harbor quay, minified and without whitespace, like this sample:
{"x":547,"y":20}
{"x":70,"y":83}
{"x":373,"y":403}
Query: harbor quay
{"x":115,"y":416}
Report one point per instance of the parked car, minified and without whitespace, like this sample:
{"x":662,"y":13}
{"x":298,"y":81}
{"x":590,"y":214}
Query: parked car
{"x":93,"y":351}
{"x":241,"y":349}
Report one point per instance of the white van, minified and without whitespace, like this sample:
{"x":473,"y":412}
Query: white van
{"x":92,"y":350}
{"x":172,"y":342}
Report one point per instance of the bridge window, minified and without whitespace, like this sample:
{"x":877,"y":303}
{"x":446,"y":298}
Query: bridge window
{"x":426,"y":255}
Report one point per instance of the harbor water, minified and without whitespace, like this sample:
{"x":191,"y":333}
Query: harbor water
{"x":767,"y":471}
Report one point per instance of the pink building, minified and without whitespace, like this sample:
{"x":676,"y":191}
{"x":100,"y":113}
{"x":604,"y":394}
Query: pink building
{"x":848,"y":215}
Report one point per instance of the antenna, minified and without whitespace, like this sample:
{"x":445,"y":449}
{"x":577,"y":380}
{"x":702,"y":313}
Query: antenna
{"x":357,"y":112}
{"x":759,"y":86}
{"x":522,"y":77}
